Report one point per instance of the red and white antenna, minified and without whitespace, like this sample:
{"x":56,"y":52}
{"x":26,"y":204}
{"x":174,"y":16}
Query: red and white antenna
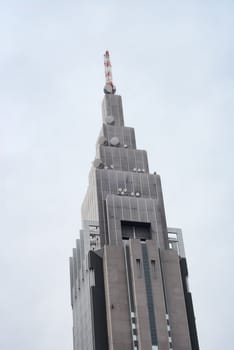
{"x":109,"y":87}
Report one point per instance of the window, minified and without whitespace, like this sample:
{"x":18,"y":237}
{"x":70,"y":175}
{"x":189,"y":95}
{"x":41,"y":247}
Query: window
{"x":153,"y":269}
{"x":127,"y":230}
{"x":172,"y":236}
{"x":139,"y":268}
{"x":131,"y":229}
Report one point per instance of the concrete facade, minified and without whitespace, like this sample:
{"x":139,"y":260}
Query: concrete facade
{"x":128,"y":271}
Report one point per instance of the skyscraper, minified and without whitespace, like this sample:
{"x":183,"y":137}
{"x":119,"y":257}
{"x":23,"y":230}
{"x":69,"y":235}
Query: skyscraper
{"x":129,"y":278}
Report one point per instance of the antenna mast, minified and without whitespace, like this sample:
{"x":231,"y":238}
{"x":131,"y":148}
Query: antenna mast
{"x":109,"y":88}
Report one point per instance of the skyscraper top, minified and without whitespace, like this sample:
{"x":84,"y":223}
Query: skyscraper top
{"x":129,"y":273}
{"x":109,"y":88}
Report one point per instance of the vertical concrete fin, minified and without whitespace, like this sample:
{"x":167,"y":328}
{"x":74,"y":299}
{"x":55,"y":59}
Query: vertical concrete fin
{"x":71,"y":265}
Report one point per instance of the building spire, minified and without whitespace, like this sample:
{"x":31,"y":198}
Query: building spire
{"x":109,"y":88}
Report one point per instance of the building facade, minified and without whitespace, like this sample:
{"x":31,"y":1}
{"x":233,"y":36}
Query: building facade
{"x":129,"y":278}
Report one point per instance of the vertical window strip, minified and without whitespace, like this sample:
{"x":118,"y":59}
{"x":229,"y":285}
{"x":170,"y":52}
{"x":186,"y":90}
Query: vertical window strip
{"x":169,"y":332}
{"x":149,"y":296}
{"x":131,"y":298}
{"x":166,"y":307}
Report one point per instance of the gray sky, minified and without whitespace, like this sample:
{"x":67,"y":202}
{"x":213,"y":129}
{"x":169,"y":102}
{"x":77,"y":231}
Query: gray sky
{"x":173,"y":65}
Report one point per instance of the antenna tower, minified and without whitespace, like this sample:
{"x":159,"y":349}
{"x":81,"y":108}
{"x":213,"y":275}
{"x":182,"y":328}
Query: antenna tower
{"x":109,"y":88}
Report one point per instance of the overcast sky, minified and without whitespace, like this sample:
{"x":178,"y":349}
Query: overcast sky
{"x":173,"y":65}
